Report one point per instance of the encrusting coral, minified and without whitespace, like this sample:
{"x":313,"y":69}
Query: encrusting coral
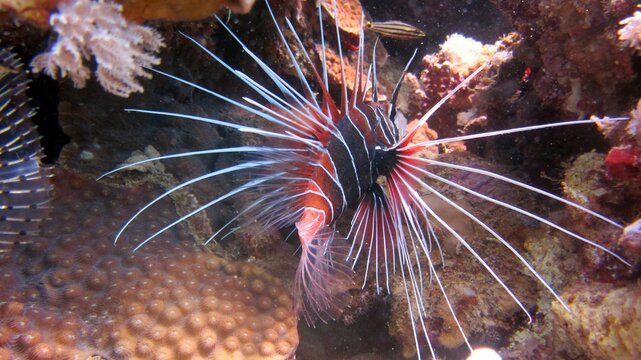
{"x":605,"y":319}
{"x":348,"y":14}
{"x":37,"y":12}
{"x":181,"y":10}
{"x":73,"y":293}
{"x":578,"y":64}
{"x":458,"y":57}
{"x":121,"y":49}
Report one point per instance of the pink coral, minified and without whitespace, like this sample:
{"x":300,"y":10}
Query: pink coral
{"x":122,"y":50}
{"x":630,"y":33}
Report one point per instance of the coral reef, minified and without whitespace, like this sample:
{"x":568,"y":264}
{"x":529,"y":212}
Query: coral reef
{"x":458,"y":57}
{"x":438,"y":19}
{"x":543,"y":338}
{"x":566,"y":61}
{"x":605,"y":319}
{"x":74,"y":293}
{"x":121,"y":49}
{"x":587,"y":183}
{"x":579,"y":65}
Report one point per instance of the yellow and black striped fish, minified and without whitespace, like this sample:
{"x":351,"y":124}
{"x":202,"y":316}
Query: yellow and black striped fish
{"x":395,"y":29}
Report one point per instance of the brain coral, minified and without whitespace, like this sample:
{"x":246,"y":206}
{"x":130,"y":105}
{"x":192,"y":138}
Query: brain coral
{"x":73,"y":294}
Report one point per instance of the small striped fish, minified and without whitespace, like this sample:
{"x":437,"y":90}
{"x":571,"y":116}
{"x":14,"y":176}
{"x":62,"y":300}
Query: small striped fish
{"x":24,"y":184}
{"x":395,"y":30}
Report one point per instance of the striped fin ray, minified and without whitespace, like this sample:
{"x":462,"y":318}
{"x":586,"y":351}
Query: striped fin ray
{"x":415,"y":240}
{"x":245,"y":187}
{"x":373,"y":229}
{"x":344,"y":95}
{"x":359,"y":87}
{"x":293,"y":114}
{"x":408,"y":173}
{"x":328,"y":106}
{"x":291,"y":94}
{"x":413,"y":217}
{"x":24,"y":183}
{"x":239,"y":167}
{"x":408,"y":170}
{"x":323,"y":278}
{"x":309,"y":94}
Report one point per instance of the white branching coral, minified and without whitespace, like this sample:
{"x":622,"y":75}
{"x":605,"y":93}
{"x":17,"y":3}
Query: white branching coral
{"x":122,"y":50}
{"x":464,"y":55}
{"x":630,"y":33}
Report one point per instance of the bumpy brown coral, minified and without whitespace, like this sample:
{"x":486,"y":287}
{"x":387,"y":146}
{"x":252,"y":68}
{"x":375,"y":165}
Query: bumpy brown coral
{"x":605,"y":320}
{"x":73,"y":292}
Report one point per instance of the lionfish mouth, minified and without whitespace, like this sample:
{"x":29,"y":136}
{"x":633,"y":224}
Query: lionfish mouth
{"x":331,"y":157}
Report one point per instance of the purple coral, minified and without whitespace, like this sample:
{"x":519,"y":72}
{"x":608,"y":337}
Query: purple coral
{"x":122,"y":50}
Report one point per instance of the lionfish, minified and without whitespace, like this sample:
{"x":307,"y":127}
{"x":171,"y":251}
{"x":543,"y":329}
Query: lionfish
{"x":24,"y":183}
{"x":324,"y":158}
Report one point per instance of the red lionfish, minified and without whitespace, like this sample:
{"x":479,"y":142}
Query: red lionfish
{"x":331,"y":158}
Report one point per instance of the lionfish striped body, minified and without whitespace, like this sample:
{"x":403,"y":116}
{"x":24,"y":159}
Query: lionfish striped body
{"x":324,"y":159}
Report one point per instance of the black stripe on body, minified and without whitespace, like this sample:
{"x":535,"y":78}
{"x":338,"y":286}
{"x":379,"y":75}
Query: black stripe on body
{"x":351,"y":157}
